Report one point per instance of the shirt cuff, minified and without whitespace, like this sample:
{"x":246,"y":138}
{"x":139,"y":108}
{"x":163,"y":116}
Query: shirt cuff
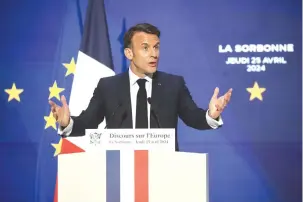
{"x":212,"y":122}
{"x":67,"y":130}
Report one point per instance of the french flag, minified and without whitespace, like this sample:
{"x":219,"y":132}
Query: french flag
{"x":94,"y":58}
{"x":94,"y":62}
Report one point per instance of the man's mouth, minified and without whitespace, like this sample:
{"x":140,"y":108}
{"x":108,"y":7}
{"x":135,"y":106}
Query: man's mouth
{"x":153,"y":64}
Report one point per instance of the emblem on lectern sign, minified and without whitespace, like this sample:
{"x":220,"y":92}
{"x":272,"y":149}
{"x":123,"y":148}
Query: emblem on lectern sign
{"x":95,"y":138}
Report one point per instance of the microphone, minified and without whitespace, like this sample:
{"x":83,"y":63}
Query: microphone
{"x":124,"y":115}
{"x":113,"y":114}
{"x":154,"y":113}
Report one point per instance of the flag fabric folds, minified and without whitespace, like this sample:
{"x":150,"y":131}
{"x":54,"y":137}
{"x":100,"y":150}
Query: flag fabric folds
{"x":94,"y":58}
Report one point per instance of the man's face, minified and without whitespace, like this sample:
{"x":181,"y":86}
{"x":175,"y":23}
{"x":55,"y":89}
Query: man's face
{"x":144,"y":52}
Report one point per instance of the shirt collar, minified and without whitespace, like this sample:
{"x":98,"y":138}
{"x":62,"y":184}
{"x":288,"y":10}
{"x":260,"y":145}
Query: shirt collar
{"x":133,"y":78}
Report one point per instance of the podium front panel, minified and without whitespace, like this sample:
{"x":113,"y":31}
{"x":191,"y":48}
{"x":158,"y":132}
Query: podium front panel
{"x":82,"y":177}
{"x":141,"y":176}
{"x":178,"y":177}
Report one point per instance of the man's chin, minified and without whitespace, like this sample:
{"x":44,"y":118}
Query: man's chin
{"x":152,"y":69}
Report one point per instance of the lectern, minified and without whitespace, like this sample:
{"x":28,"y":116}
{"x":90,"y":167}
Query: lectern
{"x":132,"y":165}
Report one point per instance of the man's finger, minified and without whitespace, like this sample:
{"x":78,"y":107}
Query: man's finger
{"x":225,"y":101}
{"x":52,"y":103}
{"x":221,"y":101}
{"x":227,"y":96}
{"x":63,"y":100}
{"x":54,"y":107}
{"x":216,"y":92}
{"x":55,"y":115}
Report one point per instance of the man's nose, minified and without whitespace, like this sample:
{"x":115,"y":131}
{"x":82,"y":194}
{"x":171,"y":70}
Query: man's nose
{"x":154,"y":53}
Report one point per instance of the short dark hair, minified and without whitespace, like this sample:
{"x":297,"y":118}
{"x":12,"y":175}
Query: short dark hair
{"x":141,"y":27}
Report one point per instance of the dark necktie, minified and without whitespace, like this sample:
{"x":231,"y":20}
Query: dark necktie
{"x":141,"y":111}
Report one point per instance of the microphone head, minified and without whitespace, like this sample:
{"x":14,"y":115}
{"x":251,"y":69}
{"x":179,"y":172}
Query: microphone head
{"x":149,"y":100}
{"x":124,"y":115}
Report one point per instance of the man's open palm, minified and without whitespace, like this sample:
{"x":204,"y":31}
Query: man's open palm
{"x":217,"y":105}
{"x":61,"y":114}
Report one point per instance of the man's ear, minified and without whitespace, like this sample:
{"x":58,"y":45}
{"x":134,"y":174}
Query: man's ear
{"x":128,"y":53}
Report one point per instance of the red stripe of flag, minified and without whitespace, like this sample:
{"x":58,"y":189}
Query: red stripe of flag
{"x":56,"y":191}
{"x":141,"y":176}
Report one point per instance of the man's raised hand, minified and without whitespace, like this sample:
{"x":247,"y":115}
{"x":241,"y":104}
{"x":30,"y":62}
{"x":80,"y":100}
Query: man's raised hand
{"x":61,"y":114}
{"x":217,"y":105}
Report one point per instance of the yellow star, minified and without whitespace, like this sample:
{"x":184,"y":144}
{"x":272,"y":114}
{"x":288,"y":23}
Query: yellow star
{"x":71,"y":67}
{"x":256,"y":92}
{"x":50,"y":121}
{"x":57,"y":147}
{"x":54,"y":91}
{"x":14,"y":93}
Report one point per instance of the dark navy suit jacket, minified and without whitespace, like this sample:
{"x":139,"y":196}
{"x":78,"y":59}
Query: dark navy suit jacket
{"x":170,"y":99}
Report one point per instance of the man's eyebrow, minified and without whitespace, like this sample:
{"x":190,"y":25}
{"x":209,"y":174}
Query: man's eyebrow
{"x":144,"y":43}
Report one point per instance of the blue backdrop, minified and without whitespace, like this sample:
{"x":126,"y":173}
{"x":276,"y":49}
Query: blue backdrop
{"x":256,"y":156}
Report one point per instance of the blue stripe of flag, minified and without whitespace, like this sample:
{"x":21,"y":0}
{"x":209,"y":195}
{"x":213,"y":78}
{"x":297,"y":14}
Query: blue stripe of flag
{"x":95,"y":40}
{"x":112,"y":176}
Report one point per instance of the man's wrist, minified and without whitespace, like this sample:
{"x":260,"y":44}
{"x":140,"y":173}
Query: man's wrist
{"x":211,"y":116}
{"x":64,"y":126}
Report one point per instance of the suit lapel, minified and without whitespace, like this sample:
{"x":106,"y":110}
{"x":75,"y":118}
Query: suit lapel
{"x":157,"y":93}
{"x":124,"y":97}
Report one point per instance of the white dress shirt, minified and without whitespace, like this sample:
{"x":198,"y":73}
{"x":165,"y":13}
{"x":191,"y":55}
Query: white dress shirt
{"x":134,"y":87}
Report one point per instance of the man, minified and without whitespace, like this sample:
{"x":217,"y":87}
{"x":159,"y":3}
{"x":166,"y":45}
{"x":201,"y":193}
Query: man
{"x":143,"y":97}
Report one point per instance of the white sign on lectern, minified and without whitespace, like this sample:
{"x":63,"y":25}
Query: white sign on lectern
{"x":172,"y":176}
{"x":130,"y":139}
